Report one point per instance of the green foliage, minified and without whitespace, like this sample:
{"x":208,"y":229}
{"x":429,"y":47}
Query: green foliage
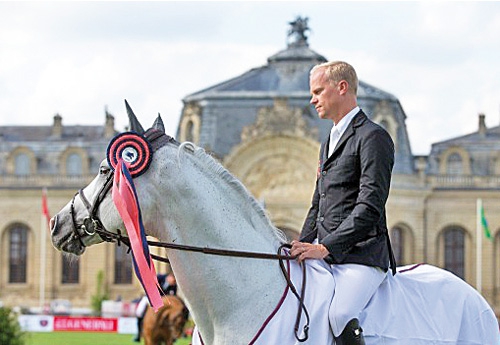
{"x":10,"y":330}
{"x":100,"y":295}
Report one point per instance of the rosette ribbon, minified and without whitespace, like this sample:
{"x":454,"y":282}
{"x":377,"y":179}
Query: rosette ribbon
{"x":127,"y":204}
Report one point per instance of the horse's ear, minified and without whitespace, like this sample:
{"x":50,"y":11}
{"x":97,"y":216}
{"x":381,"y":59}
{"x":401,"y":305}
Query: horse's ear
{"x":134,"y":124}
{"x":159,"y":124}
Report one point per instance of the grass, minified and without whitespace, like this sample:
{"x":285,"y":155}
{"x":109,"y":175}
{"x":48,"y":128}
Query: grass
{"x":85,"y":338}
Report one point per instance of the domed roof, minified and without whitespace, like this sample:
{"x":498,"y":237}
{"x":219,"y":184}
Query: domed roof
{"x":285,"y":72}
{"x":229,"y":106}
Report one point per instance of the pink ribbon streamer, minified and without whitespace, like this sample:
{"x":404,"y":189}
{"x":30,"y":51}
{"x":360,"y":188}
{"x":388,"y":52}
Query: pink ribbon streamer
{"x":124,"y":197}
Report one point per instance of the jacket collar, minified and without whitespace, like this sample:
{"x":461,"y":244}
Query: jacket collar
{"x":357,"y":121}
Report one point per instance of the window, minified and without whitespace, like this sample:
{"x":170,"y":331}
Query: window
{"x":22,"y":164}
{"x":123,"y":266}
{"x":455,"y":165}
{"x":74,"y":165}
{"x":70,"y":270}
{"x":454,"y":251}
{"x":18,"y":249}
{"x":397,"y":242}
{"x":190,"y":131}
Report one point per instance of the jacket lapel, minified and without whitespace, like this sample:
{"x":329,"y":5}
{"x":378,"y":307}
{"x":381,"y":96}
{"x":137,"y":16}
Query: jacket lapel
{"x":357,"y":121}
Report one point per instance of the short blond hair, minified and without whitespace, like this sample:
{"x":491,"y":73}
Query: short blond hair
{"x":337,"y":71}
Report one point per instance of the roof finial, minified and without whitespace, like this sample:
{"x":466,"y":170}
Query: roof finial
{"x":297,"y":32}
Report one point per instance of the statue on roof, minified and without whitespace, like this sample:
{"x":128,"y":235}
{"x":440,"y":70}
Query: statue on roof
{"x":297,"y":32}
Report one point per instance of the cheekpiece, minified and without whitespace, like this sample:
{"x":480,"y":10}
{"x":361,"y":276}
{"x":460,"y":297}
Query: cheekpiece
{"x":134,"y":149}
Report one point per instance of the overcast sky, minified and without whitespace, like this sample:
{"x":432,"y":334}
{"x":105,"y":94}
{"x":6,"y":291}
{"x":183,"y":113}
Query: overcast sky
{"x":441,"y":59}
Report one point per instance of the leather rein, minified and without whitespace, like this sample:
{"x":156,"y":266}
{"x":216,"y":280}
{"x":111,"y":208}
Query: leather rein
{"x":92,"y":225}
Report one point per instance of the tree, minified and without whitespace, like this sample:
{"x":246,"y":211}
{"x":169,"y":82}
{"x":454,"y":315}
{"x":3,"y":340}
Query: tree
{"x":100,"y":295}
{"x":10,"y":330}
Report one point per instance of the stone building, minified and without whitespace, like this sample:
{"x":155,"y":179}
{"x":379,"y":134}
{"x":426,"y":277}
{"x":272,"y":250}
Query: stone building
{"x":261,"y":127}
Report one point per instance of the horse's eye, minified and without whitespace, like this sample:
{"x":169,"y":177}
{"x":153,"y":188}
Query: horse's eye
{"x":104,"y":170}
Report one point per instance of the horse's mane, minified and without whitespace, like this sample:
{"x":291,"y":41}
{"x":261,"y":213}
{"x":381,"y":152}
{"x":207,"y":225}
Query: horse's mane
{"x":209,"y":164}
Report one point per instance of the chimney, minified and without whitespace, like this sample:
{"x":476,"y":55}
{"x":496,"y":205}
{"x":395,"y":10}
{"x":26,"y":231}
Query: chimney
{"x":57,"y":126}
{"x":482,"y":125}
{"x":109,"y":130}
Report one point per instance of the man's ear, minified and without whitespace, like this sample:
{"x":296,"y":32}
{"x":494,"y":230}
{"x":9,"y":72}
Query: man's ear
{"x":343,"y":86}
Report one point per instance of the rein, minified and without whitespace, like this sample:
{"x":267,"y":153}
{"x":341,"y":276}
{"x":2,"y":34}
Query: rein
{"x":251,"y":255}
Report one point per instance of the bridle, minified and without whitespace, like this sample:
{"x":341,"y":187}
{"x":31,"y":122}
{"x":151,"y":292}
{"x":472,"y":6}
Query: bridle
{"x":92,"y":225}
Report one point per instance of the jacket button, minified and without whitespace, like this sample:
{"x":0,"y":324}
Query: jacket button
{"x":323,"y":195}
{"x":321,"y":219}
{"x":323,"y":172}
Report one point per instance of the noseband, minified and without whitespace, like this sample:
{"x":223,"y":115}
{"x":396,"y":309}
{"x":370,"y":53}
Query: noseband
{"x":92,"y":225}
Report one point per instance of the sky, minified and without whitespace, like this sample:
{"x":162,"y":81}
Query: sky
{"x":441,"y":59}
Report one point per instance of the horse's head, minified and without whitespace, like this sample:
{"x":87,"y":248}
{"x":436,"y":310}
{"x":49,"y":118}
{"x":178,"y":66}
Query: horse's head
{"x":91,"y":216}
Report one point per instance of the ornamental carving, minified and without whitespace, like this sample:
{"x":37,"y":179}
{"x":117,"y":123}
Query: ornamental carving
{"x":280,"y":177}
{"x":279,"y":119}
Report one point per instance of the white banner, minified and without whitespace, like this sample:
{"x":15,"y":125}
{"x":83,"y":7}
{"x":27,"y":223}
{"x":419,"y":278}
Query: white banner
{"x":45,"y":323}
{"x":36,"y":323}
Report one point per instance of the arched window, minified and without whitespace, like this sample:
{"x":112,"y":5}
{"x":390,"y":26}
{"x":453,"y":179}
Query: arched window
{"x":397,"y":243}
{"x":454,"y":165}
{"x":123,"y":266}
{"x":74,"y":165}
{"x":22,"y":164}
{"x":454,"y":251}
{"x":18,"y":251}
{"x":70,"y":270}
{"x":190,"y":131}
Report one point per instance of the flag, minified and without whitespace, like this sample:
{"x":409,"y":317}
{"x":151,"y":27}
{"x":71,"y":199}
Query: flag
{"x":484,"y":224}
{"x":45,"y":206}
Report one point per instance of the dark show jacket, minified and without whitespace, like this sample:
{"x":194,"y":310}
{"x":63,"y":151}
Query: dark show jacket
{"x":347,"y":213}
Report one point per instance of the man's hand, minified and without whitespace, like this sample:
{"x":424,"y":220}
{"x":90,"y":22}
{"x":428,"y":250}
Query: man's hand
{"x":305,"y":250}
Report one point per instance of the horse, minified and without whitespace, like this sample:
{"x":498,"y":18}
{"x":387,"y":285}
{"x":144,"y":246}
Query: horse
{"x":188,"y":198}
{"x":166,"y":325}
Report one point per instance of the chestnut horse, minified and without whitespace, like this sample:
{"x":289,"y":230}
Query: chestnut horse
{"x":167,"y":325}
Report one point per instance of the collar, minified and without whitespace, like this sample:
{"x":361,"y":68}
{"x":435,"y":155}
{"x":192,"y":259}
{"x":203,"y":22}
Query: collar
{"x":345,"y":121}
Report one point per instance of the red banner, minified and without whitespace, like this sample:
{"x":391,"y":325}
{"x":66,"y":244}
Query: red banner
{"x":85,"y":324}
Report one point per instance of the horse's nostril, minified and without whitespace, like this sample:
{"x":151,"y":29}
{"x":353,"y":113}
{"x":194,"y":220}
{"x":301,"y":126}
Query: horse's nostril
{"x":52,"y":222}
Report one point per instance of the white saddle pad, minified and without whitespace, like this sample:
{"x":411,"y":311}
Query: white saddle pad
{"x":421,"y":305}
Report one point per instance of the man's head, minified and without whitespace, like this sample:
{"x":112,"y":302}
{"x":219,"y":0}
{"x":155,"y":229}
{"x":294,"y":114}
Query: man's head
{"x":336,"y":71}
{"x":333,"y":89}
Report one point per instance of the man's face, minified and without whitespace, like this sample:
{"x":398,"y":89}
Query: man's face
{"x":324,"y":95}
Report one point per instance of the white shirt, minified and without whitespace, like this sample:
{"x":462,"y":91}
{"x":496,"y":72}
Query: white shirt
{"x":339,"y":129}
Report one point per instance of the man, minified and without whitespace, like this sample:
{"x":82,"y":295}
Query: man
{"x":346,"y":224}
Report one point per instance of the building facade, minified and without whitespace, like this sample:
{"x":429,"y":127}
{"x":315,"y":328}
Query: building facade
{"x":261,"y":127}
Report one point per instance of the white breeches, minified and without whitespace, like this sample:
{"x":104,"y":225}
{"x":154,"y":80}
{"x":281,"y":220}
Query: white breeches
{"x":354,"y":286}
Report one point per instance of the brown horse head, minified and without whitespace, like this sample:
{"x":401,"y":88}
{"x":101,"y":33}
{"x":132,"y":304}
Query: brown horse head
{"x":167,"y":324}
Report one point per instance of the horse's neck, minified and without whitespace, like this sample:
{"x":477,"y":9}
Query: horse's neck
{"x":223,"y":292}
